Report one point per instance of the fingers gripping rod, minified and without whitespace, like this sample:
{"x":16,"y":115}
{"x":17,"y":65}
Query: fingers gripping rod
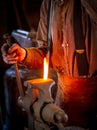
{"x":18,"y":79}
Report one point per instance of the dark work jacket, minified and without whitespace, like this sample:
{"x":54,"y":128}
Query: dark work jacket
{"x":62,"y":30}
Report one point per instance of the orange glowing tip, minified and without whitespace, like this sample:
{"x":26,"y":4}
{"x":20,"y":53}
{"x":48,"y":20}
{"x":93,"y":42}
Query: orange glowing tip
{"x":46,"y":64}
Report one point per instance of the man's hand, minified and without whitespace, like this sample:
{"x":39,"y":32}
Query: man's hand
{"x":14,"y":54}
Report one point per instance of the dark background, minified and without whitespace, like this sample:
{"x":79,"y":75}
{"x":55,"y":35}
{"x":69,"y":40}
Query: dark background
{"x":15,"y":14}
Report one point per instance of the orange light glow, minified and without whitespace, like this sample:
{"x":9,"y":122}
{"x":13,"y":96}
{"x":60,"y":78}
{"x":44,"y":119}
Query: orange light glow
{"x":45,"y":69}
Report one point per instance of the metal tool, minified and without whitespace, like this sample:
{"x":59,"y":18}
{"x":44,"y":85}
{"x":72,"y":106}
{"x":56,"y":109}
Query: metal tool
{"x":7,"y":37}
{"x":47,"y":114}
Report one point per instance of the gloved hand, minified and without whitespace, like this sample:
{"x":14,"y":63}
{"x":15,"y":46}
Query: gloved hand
{"x":13,"y":54}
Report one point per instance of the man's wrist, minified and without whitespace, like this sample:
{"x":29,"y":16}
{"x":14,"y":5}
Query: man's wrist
{"x":24,"y":55}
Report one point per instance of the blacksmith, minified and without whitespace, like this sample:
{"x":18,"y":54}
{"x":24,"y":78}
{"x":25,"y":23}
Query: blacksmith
{"x":73,"y":32}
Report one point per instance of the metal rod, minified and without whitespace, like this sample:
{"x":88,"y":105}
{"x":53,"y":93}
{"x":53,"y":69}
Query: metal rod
{"x":18,"y":79}
{"x":19,"y":83}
